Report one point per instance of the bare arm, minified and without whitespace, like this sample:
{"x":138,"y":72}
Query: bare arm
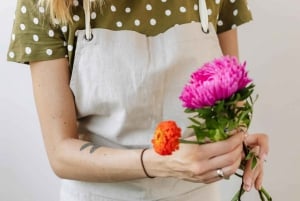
{"x":70,"y":159}
{"x":56,"y":110}
{"x":229,"y":42}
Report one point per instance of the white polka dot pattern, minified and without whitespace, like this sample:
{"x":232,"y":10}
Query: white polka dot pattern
{"x":119,"y":24}
{"x":51,"y":33}
{"x":196,"y":7}
{"x":159,"y":15}
{"x":168,"y":12}
{"x":35,"y":38}
{"x":148,"y":7}
{"x":93,"y":15}
{"x":64,"y":29}
{"x":209,"y":11}
{"x":22,"y":27}
{"x":235,"y":12}
{"x":75,"y":3}
{"x":182,"y":9}
{"x":137,"y":22}
{"x":153,"y":22}
{"x":42,"y":9}
{"x":76,"y":18}
{"x":113,"y":8}
{"x":70,"y":48}
{"x":127,"y":10}
{"x":35,"y":20}
{"x":28,"y":50}
{"x":23,"y":9}
{"x":11,"y":55}
{"x":49,"y":52}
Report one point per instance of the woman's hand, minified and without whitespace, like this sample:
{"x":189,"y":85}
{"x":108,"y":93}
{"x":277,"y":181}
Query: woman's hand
{"x":198,"y":163}
{"x":258,"y":143}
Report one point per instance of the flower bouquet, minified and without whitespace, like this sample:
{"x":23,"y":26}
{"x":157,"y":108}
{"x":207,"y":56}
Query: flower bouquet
{"x":218,"y":98}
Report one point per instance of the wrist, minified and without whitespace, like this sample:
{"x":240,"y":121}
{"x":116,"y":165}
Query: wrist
{"x":143,"y":165}
{"x":153,"y":164}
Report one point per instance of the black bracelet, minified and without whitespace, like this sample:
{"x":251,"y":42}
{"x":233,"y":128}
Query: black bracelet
{"x":143,"y":166}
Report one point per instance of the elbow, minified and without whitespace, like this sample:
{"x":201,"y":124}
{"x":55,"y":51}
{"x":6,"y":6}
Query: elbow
{"x":58,"y":169}
{"x":59,"y":161}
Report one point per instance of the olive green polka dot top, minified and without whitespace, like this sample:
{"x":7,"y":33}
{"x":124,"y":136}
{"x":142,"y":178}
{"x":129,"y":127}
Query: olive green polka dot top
{"x":34,"y":38}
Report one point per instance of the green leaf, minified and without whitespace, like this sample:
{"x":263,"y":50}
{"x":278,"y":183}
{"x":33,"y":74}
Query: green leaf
{"x":249,"y":155}
{"x":219,"y":106}
{"x":204,"y":112}
{"x":254,"y":162}
{"x":188,"y":110}
{"x":200,"y":133}
{"x":217,"y":135}
{"x":195,"y":121}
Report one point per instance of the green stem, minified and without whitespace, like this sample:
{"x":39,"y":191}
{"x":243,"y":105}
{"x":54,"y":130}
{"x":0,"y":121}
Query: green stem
{"x":262,"y":198}
{"x":266,"y":194}
{"x":189,"y":142}
{"x":238,"y":195}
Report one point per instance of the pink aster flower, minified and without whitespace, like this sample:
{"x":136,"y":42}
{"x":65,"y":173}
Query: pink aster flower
{"x":215,"y":80}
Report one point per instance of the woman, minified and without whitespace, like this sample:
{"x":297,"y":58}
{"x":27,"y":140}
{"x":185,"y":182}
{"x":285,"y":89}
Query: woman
{"x":105,"y":73}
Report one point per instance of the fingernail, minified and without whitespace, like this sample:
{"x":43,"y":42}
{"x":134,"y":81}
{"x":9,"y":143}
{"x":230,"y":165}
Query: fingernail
{"x":247,"y":186}
{"x":259,"y":187}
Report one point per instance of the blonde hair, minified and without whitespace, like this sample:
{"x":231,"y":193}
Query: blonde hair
{"x":60,"y":10}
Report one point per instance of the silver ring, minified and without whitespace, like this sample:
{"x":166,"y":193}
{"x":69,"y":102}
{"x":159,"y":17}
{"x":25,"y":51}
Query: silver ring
{"x":220,"y":173}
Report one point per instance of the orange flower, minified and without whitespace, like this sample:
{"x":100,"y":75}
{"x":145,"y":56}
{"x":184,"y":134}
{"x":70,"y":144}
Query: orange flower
{"x":166,"y":137}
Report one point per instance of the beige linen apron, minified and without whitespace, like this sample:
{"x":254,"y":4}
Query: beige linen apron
{"x":124,"y":83}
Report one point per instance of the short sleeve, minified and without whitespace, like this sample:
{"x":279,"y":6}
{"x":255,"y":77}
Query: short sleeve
{"x":33,"y":37}
{"x":232,"y":14}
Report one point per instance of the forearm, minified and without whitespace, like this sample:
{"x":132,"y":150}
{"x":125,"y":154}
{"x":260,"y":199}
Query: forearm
{"x":72,"y":158}
{"x":65,"y":149}
{"x":81,"y":160}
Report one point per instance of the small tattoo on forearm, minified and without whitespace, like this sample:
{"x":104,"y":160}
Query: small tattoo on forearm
{"x":90,"y":144}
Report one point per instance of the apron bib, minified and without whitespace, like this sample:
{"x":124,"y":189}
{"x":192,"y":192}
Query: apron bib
{"x":124,"y":84}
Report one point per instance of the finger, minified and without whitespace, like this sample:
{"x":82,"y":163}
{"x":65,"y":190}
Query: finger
{"x":222,"y":147}
{"x":258,"y":175}
{"x":227,"y":171}
{"x":247,"y":177}
{"x":250,"y":173}
{"x":214,"y":174}
{"x":259,"y":179}
{"x":260,"y":140}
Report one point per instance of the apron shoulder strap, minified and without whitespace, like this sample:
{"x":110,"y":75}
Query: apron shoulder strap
{"x":87,"y":13}
{"x":203,"y":15}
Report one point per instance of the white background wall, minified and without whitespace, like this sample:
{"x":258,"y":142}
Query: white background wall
{"x":271,"y":46}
